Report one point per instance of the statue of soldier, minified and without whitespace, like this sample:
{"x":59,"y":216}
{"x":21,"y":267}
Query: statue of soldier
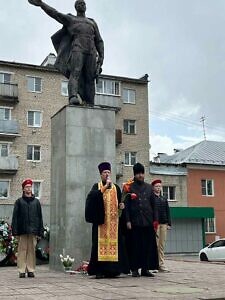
{"x":80,"y":51}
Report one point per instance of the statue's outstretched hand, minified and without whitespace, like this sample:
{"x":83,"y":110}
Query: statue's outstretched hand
{"x":35,"y":2}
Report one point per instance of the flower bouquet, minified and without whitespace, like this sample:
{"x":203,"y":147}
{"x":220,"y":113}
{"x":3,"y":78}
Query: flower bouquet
{"x":67,"y":262}
{"x":42,"y":248}
{"x":83,"y":268}
{"x":127,"y":193}
{"x":8,"y":244}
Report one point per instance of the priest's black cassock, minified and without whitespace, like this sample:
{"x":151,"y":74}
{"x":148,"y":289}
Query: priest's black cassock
{"x":95,"y":214}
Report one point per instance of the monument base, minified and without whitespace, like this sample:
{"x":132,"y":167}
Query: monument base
{"x":82,"y":137}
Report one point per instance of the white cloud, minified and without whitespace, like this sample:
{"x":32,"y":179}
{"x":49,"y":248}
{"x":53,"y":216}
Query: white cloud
{"x":161,"y":144}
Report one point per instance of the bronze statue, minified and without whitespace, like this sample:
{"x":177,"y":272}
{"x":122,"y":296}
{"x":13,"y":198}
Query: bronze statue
{"x":80,"y":51}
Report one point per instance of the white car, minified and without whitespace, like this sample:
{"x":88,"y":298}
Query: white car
{"x":214,"y":251}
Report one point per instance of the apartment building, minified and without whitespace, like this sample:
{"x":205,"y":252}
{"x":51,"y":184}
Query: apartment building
{"x":204,"y":166}
{"x":30,"y":95}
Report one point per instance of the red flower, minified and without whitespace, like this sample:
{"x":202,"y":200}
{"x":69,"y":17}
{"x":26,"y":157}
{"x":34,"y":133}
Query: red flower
{"x":133,"y":196}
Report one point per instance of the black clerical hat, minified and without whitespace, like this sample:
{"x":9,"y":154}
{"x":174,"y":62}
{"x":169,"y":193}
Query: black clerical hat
{"x":138,"y":168}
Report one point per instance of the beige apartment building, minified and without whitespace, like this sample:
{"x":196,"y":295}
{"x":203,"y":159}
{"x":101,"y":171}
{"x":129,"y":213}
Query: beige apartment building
{"x":30,"y":95}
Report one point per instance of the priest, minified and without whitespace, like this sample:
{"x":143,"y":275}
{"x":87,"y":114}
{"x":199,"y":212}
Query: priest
{"x":142,"y":222}
{"x":102,"y":205}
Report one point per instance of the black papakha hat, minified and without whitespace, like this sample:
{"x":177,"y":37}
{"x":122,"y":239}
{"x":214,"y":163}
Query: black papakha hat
{"x":138,"y":168}
{"x":104,"y":166}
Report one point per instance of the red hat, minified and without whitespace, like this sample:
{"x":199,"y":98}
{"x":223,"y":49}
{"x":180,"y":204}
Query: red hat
{"x":26,"y":182}
{"x":156,"y":181}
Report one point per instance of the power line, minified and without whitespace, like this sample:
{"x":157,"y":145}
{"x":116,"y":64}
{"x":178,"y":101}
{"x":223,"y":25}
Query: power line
{"x":180,"y":120}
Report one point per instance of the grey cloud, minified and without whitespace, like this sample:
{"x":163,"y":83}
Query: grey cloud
{"x":179,"y":43}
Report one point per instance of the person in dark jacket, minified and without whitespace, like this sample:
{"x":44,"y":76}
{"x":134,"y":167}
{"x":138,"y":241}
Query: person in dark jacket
{"x":164,"y":222}
{"x":142,"y":220}
{"x":27,"y":225}
{"x":102,"y":203}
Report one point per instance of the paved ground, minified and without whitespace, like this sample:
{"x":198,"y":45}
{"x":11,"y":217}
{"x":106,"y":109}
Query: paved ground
{"x":188,"y":280}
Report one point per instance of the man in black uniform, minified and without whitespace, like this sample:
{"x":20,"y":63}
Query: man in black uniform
{"x":80,"y":50}
{"x":27,"y":225}
{"x":142,"y":220}
{"x":102,"y":204}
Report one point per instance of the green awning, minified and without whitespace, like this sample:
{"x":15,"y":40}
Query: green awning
{"x":191,"y":212}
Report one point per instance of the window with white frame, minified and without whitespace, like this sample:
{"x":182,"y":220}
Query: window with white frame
{"x":129,"y":96}
{"x":36,"y":189}
{"x":4,"y":189}
{"x":169,"y":192}
{"x":64,"y":88}
{"x":129,"y":126}
{"x":33,"y":152}
{"x":34,"y":84}
{"x":130,"y":158}
{"x":108,"y":87}
{"x":210,"y":225}
{"x":34,"y":118}
{"x":207,"y":186}
{"x":5,"y":77}
{"x":5,"y":113}
{"x":4,"y":150}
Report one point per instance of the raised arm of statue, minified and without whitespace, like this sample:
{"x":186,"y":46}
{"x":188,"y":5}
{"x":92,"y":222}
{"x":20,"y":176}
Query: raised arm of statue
{"x":53,"y":13}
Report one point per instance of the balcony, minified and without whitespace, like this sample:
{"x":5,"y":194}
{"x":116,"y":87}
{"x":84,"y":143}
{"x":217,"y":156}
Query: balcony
{"x":9,"y":128}
{"x":108,"y":101}
{"x":8,"y":165}
{"x":9,"y":92}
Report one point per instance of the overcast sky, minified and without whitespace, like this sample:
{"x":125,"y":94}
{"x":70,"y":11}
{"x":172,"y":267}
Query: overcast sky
{"x":179,"y":43}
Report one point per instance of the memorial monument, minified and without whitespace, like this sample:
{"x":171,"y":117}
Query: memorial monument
{"x":82,"y":136}
{"x":80,"y":50}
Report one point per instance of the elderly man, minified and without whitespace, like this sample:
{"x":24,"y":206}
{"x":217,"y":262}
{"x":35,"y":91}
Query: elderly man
{"x":80,"y":50}
{"x":142,"y":221}
{"x":102,"y":204}
{"x":164,"y":222}
{"x":27,"y":225}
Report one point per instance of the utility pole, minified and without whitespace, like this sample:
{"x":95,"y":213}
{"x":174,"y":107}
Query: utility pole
{"x":203,"y":118}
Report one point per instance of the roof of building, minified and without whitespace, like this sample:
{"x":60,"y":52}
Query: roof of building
{"x":163,"y":169}
{"x":51,"y":68}
{"x":205,"y":152}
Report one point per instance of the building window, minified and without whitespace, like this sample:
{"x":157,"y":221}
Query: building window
{"x":5,"y":77}
{"x":130,"y":158}
{"x":4,"y":189}
{"x":169,"y":192}
{"x":64,"y":88}
{"x":34,"y":118}
{"x":36,"y":189}
{"x":207,"y":187}
{"x":5,"y":113}
{"x":33,"y":153}
{"x":34,"y":84}
{"x":210,"y":225}
{"x":108,"y":87}
{"x":129,"y":127}
{"x":4,"y":150}
{"x":129,"y":96}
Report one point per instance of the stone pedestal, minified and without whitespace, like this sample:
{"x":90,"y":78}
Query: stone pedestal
{"x":82,"y":137}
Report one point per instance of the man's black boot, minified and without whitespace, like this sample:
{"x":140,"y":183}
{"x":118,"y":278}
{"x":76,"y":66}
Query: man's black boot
{"x":135,"y":273}
{"x":22,"y":275}
{"x":30,"y":274}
